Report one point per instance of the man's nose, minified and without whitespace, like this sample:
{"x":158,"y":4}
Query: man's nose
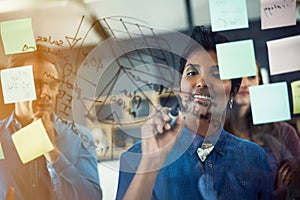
{"x":44,"y":91}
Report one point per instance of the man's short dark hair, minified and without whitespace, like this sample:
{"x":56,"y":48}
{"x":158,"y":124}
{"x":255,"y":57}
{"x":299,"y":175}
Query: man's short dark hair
{"x":41,"y":53}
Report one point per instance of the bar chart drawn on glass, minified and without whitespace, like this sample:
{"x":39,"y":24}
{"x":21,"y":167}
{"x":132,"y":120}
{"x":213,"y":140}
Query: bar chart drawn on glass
{"x":129,"y":73}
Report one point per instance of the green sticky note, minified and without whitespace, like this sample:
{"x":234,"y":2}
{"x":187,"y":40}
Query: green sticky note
{"x":32,"y":141}
{"x":17,"y":36}
{"x":236,"y":59}
{"x":1,"y":152}
{"x":296,"y":96}
{"x":270,"y":103}
{"x":228,"y":14}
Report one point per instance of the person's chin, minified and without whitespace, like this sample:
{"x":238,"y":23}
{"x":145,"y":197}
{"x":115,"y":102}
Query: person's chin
{"x":242,"y":97}
{"x":241,"y":103}
{"x":44,"y":109}
{"x":202,"y":102}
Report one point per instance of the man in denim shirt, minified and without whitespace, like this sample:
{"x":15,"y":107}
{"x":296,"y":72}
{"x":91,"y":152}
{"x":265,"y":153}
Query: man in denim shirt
{"x":197,"y":158}
{"x":69,"y":171}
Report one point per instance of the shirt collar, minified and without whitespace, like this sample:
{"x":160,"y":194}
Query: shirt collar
{"x":192,"y":141}
{"x":12,"y":120}
{"x":56,"y":123}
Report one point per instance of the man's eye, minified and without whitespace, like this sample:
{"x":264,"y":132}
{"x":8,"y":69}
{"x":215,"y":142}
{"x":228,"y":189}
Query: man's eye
{"x":251,"y":77}
{"x":53,"y":85}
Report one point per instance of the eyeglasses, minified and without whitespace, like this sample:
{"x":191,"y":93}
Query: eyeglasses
{"x":53,"y":84}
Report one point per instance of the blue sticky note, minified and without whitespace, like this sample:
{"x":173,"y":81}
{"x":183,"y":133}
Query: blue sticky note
{"x":17,"y":36}
{"x":228,"y":14}
{"x":270,"y":103}
{"x":236,"y":59}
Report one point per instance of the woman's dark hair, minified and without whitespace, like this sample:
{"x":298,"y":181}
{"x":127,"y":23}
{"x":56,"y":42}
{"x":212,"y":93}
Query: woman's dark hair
{"x":260,"y":80}
{"x":203,"y":38}
{"x":261,"y":131}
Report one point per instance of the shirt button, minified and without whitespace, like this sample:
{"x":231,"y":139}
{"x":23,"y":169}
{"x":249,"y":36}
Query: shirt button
{"x":243,"y":183}
{"x":33,"y":185}
{"x":191,"y":148}
{"x":210,"y":165}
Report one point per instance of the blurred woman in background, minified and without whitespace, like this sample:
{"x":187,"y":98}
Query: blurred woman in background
{"x":279,"y":139}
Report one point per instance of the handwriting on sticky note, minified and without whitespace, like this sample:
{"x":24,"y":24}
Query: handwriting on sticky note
{"x":296,"y":96}
{"x":228,"y":14}
{"x":1,"y":152}
{"x":32,"y":141}
{"x":277,"y":13}
{"x":18,"y":84}
{"x":18,"y":36}
{"x":232,"y":66}
{"x":270,"y":111}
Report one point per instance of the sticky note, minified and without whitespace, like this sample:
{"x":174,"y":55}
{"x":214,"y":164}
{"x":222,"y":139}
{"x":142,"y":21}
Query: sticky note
{"x":277,"y":13}
{"x":269,"y":103}
{"x":1,"y":152}
{"x":18,"y":84}
{"x":228,"y":14}
{"x":17,"y":36}
{"x":283,"y":55}
{"x":295,"y":85}
{"x":236,"y":59}
{"x":32,"y":141}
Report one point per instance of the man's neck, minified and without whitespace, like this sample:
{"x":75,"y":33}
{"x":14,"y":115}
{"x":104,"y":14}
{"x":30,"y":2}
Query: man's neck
{"x":24,"y":121}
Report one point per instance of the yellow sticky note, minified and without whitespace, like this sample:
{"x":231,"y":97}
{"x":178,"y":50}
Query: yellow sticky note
{"x":32,"y":141}
{"x":296,"y":96}
{"x":17,"y":36}
{"x":1,"y":152}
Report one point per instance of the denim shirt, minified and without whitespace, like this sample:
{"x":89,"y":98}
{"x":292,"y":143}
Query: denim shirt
{"x":236,"y":169}
{"x":74,"y":175}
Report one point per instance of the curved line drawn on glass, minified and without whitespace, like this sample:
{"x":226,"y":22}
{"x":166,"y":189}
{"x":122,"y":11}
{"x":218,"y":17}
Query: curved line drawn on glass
{"x":148,"y":69}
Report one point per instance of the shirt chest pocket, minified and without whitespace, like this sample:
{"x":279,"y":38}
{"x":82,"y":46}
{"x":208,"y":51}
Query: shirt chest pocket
{"x":237,"y":185}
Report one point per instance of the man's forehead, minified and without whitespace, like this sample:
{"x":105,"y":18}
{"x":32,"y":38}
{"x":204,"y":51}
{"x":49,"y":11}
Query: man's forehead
{"x":45,"y":73}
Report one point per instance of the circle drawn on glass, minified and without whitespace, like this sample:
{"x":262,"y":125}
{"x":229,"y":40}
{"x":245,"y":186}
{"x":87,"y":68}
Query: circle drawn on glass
{"x":119,"y":69}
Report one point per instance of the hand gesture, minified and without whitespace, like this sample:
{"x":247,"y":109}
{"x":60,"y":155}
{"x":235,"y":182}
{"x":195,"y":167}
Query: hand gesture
{"x":49,"y":126}
{"x":10,"y":195}
{"x":284,"y":174}
{"x":158,"y":138}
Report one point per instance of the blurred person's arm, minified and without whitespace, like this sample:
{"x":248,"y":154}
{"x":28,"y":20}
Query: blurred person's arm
{"x":75,"y":175}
